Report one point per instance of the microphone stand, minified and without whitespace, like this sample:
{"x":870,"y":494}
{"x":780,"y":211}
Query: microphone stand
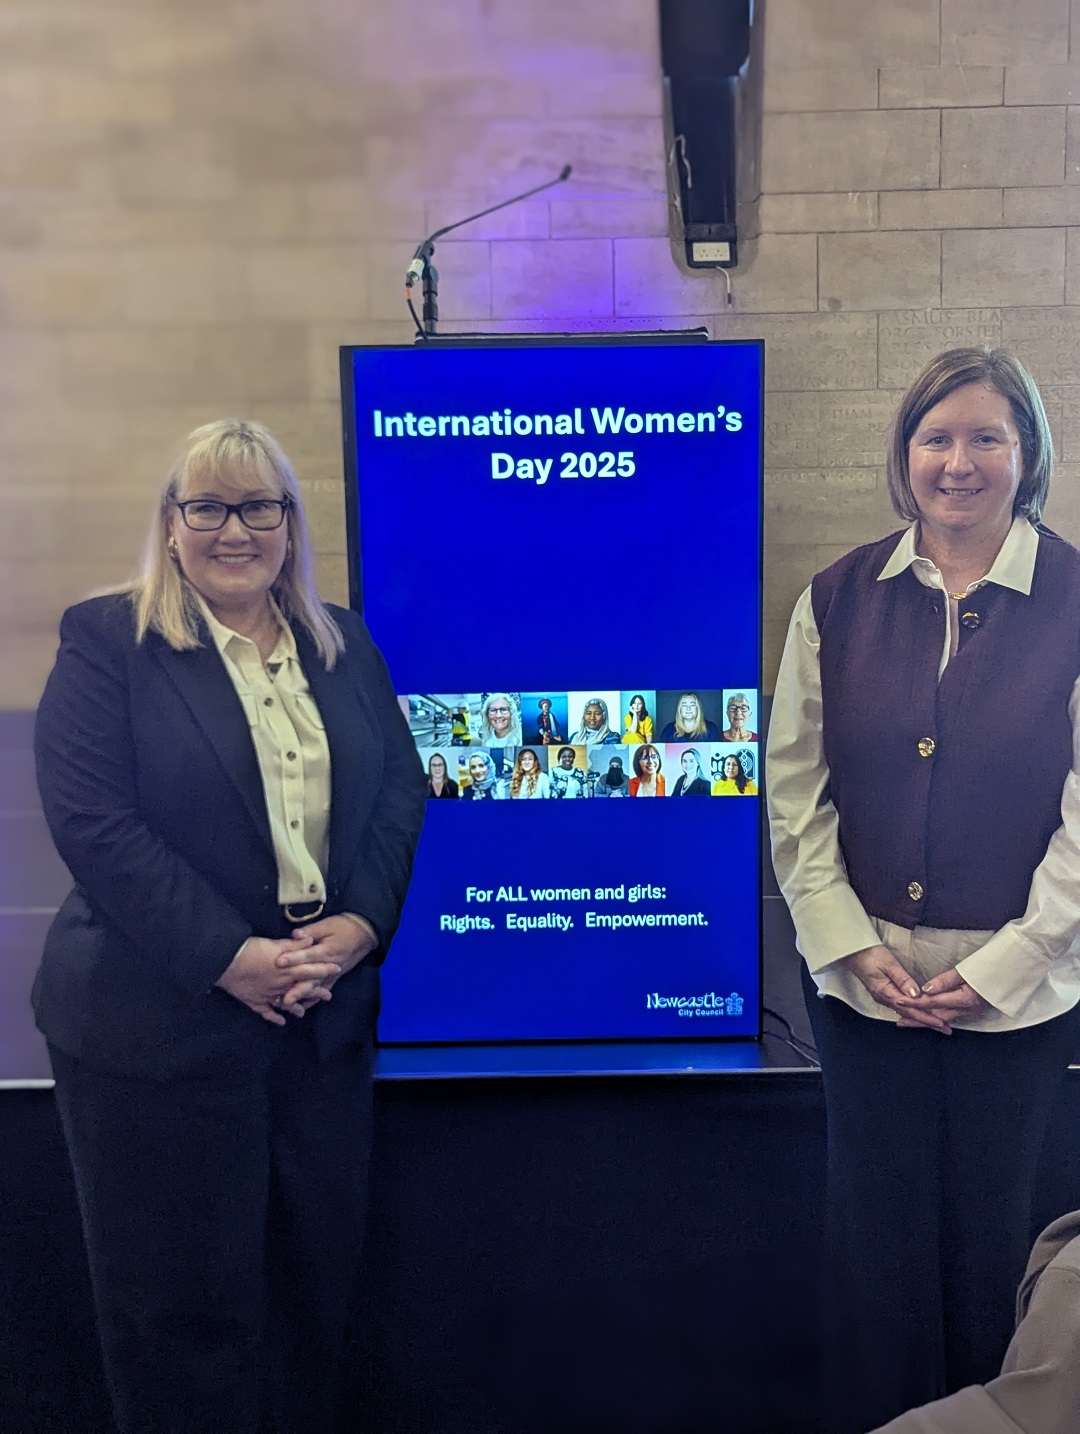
{"x":422,"y":267}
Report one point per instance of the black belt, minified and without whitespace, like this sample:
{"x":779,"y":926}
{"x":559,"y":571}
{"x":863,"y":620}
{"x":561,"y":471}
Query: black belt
{"x":297,"y":912}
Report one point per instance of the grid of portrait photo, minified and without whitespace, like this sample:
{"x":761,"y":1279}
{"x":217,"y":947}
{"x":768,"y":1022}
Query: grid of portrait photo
{"x":559,"y":746}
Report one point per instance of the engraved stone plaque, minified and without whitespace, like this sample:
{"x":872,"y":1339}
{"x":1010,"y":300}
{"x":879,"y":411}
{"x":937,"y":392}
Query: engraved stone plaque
{"x":1046,"y":341}
{"x":805,"y":352}
{"x":910,"y":338}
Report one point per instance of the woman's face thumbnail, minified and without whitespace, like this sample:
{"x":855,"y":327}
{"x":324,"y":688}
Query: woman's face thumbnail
{"x":528,"y":760}
{"x":499,"y":717}
{"x":593,"y":716}
{"x":637,"y":706}
{"x":732,"y":769}
{"x":477,"y":769}
{"x":688,"y":711}
{"x":689,"y":764}
{"x":650,"y":761}
{"x":437,"y":768}
{"x":566,"y":758}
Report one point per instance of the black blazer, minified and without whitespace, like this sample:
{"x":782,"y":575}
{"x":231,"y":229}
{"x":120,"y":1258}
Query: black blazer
{"x":152,"y":792}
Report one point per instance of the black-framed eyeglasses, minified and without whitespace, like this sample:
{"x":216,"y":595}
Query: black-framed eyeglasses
{"x":261,"y":515}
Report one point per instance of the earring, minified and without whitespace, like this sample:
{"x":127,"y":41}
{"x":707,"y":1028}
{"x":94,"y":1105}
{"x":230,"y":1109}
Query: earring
{"x":172,"y":550}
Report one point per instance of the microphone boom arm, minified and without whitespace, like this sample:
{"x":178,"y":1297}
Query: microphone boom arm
{"x":422,"y":267}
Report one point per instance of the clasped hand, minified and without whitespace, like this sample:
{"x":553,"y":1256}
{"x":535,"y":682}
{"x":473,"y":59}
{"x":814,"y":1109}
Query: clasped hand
{"x":275,"y":978}
{"x":935,"y":1006}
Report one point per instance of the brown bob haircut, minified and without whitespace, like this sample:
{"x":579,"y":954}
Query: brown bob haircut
{"x":999,"y":370}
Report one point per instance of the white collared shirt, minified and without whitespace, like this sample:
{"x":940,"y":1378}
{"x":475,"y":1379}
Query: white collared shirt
{"x":1029,"y":971}
{"x":293,"y":755}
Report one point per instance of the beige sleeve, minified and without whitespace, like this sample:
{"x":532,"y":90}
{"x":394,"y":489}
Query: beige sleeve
{"x":1017,"y":959}
{"x":968,"y":1411}
{"x":829,"y":918}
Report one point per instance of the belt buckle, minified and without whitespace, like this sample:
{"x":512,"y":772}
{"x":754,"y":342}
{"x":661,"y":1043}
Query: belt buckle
{"x":295,"y":920}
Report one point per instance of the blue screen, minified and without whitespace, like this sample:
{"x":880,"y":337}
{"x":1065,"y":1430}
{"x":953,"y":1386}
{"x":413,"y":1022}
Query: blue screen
{"x":559,"y":551}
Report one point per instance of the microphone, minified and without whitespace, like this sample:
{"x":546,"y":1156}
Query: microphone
{"x":422,"y":268}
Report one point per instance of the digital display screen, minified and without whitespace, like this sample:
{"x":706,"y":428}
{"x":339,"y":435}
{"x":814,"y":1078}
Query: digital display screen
{"x":558,"y":548}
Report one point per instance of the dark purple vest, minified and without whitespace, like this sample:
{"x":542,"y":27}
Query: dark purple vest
{"x":948,"y":792}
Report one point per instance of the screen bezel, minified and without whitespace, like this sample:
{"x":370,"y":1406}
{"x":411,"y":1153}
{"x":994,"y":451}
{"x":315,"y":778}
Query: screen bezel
{"x":355,"y":576}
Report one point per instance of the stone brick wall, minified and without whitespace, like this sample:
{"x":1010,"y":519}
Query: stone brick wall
{"x":200,"y":199}
{"x":930,"y":154}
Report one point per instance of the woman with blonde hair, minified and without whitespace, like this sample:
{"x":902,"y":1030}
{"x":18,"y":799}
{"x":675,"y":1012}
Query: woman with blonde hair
{"x":500,"y":721}
{"x":692,"y":782}
{"x":229,"y":778}
{"x":527,"y":778}
{"x":690,"y":723}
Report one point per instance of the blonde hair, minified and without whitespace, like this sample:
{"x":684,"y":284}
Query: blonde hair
{"x":1005,"y":374}
{"x":520,"y":776}
{"x":231,"y":452}
{"x":512,"y":735}
{"x":699,"y":728}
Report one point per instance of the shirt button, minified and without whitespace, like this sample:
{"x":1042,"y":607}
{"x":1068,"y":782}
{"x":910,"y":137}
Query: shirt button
{"x":268,"y":702}
{"x":313,"y":888}
{"x":970,"y":619}
{"x":915,"y":891}
{"x":290,"y":756}
{"x":926,"y":747}
{"x":294,"y":824}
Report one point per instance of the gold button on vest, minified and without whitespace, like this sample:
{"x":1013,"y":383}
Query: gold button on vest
{"x":926,"y":747}
{"x":915,"y":891}
{"x":970,"y":619}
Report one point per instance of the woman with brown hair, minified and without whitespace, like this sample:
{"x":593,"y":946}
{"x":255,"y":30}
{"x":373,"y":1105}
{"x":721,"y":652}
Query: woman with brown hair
{"x":440,"y":784}
{"x":939,"y":925}
{"x":648,"y":780}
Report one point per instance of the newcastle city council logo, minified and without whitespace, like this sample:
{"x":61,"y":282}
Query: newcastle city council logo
{"x":707,"y":1004}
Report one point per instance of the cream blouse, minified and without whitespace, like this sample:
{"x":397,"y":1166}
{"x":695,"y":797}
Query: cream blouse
{"x":291,"y":748}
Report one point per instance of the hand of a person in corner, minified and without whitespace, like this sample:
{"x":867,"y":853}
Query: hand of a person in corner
{"x":893,"y":987}
{"x":255,"y":977}
{"x":335,"y":939}
{"x":950,"y":998}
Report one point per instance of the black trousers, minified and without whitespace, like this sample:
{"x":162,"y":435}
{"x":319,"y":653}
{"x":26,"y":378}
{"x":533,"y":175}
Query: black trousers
{"x":932,"y":1147}
{"x":223,"y":1222}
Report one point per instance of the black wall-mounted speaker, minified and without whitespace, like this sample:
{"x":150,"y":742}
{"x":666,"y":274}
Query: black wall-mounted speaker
{"x":710,"y":52}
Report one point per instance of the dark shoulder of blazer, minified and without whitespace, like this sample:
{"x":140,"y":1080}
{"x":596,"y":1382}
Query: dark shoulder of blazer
{"x":152,"y":792}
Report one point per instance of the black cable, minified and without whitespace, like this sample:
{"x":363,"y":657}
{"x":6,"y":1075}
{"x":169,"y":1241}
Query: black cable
{"x":808,"y":1050}
{"x":419,"y":326}
{"x":797,"y":1044}
{"x":800,"y":1048}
